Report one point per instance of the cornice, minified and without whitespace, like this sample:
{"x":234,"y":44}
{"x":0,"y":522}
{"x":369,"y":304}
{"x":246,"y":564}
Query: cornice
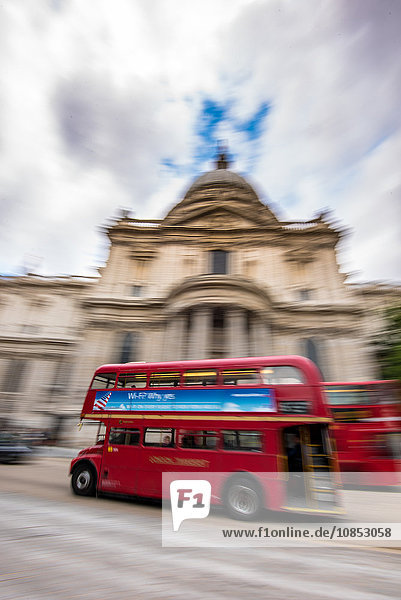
{"x":109,"y":322}
{"x":374,"y":289}
{"x":55,"y":283}
{"x":318,"y":330}
{"x":124,"y":303}
{"x":319,"y":309}
{"x":240,"y":236}
{"x":24,"y":347}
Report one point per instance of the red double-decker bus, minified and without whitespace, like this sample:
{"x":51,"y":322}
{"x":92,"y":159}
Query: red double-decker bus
{"x":260,"y":423}
{"x":367,"y":430}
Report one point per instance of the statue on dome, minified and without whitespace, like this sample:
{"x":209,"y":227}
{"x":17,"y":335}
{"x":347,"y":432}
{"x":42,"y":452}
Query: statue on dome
{"x":222,"y":161}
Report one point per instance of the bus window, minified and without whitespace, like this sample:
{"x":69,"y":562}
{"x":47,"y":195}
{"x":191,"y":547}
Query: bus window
{"x":241,"y":377}
{"x":131,"y":380}
{"x":161,"y":437}
{"x":123,"y":436}
{"x":242,"y":440}
{"x":283,"y":374}
{"x":348,"y":394}
{"x":203,"y":378}
{"x":103,"y":381}
{"x":164,"y":379}
{"x":200,"y":440}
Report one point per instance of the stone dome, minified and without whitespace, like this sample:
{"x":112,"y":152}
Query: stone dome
{"x":219,"y":177}
{"x":220,"y":189}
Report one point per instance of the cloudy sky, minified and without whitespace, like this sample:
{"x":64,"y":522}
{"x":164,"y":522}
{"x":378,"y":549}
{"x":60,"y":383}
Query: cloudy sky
{"x":108,"y":105}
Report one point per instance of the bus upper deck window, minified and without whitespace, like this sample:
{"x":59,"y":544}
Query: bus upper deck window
{"x":347,"y":394}
{"x":131,"y":380}
{"x":241,"y":377}
{"x":103,"y":381}
{"x":285,"y":374}
{"x":164,"y":379}
{"x":203,"y":378}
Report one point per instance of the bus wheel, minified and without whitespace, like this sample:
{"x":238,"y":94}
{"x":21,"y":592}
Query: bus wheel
{"x":243,"y":499}
{"x":83,"y":480}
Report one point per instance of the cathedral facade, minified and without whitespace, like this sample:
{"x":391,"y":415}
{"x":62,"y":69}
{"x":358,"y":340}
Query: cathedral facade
{"x":219,"y":276}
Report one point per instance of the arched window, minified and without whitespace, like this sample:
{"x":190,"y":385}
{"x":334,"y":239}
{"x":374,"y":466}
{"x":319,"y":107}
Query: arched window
{"x":128,"y":347}
{"x":219,"y":262}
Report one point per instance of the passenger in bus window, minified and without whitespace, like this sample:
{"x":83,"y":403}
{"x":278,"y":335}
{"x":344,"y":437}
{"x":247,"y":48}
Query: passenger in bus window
{"x":187,"y":441}
{"x":166,"y":440}
{"x":295,"y":454}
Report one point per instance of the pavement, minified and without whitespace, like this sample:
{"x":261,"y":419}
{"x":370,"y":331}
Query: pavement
{"x":55,"y":545}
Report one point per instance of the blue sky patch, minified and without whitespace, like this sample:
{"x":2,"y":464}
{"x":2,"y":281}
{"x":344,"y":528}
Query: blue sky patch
{"x":254,"y":125}
{"x":212,"y":115}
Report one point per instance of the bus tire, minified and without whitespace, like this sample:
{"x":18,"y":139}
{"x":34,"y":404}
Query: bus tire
{"x":243,"y":498}
{"x":83,"y":481}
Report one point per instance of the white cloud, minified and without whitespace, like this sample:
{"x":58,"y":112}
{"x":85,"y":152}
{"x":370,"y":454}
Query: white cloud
{"x":95,"y":96}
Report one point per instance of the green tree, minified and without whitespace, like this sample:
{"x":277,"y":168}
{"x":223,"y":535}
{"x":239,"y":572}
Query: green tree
{"x":388,"y":344}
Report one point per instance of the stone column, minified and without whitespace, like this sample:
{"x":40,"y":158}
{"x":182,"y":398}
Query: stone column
{"x":237,"y":334}
{"x":334,"y":355}
{"x":266,"y":339}
{"x":199,"y":334}
{"x":255,"y":336}
{"x":260,"y":337}
{"x":173,"y":345}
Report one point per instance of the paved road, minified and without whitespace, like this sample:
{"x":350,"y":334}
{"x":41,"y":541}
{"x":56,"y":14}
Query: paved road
{"x":56,"y":546}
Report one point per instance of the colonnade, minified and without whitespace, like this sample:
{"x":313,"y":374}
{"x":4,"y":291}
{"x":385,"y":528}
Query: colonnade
{"x":192,"y":334}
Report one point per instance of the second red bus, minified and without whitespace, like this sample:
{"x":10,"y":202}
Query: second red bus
{"x":367,"y":430}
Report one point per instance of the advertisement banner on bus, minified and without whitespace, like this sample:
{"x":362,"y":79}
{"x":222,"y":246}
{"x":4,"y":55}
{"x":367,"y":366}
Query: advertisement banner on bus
{"x":232,"y":400}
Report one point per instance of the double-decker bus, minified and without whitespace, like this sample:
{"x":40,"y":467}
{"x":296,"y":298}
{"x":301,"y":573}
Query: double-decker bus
{"x":367,"y":430}
{"x":260,"y":425}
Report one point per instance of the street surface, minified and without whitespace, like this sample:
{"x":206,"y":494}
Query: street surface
{"x":57,"y":546}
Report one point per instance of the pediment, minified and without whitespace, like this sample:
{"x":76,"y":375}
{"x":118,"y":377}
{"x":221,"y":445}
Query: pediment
{"x":224,"y":218}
